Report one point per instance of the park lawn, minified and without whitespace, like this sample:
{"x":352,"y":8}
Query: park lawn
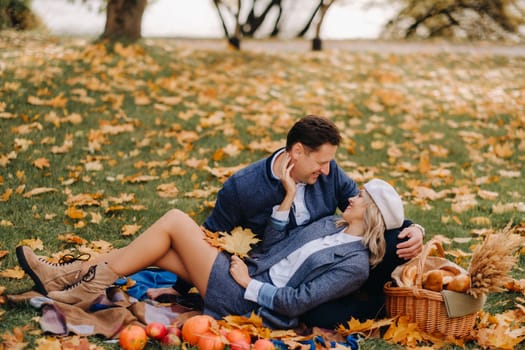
{"x":145,"y":128}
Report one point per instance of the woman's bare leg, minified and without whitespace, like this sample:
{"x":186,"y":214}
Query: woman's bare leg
{"x":175,"y":243}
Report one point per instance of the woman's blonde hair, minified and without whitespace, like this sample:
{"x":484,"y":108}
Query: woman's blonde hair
{"x":374,"y":236}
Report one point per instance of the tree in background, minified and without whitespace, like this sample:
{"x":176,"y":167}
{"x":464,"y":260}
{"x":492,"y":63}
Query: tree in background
{"x":267,"y":18}
{"x":124,"y":20}
{"x":318,"y":15}
{"x":466,"y":19}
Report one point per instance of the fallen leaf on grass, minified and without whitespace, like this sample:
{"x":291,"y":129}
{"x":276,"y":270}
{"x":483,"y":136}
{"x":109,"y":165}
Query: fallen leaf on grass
{"x":33,"y":243}
{"x":130,"y":230}
{"x":72,"y":238}
{"x":39,"y":190}
{"x":16,"y":273}
{"x":14,"y":340}
{"x":75,"y":213}
{"x":169,"y":190}
{"x":41,"y":163}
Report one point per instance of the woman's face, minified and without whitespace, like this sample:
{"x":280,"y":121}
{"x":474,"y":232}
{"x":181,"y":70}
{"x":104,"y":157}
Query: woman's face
{"x":356,"y":207}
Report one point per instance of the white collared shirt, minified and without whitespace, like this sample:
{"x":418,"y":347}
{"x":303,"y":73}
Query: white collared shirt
{"x":301,"y":213}
{"x":281,"y":272}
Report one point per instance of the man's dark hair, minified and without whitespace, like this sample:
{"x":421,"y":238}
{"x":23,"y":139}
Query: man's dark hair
{"x":313,"y":131}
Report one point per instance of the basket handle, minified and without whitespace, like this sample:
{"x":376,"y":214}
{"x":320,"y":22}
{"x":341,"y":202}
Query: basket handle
{"x":427,"y":248}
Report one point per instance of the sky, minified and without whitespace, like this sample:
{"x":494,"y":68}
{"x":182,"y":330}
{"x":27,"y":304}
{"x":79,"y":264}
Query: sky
{"x":198,"y":18}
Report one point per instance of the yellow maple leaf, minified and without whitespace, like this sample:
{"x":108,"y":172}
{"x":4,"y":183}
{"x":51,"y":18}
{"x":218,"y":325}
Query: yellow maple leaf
{"x":238,"y":241}
{"x":16,"y":273}
{"x":403,"y":332}
{"x":253,"y":325}
{"x":169,"y":190}
{"x":33,"y":243}
{"x":41,"y":163}
{"x":129,"y":230}
{"x":503,"y":150}
{"x":355,"y":326}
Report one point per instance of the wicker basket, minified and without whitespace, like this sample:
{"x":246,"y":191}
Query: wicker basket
{"x":425,"y":307}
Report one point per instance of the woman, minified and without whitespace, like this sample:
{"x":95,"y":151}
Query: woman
{"x":308,"y":266}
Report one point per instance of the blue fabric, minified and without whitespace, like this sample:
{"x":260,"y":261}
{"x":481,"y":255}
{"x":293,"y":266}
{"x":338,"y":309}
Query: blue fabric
{"x":148,"y":278}
{"x":266,"y":295}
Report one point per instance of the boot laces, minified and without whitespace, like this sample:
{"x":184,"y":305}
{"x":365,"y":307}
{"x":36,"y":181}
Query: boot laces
{"x":88,"y":276}
{"x":70,"y":258}
{"x":67,"y":259}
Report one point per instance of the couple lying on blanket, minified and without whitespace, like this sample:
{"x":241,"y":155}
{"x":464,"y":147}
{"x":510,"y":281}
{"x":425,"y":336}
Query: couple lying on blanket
{"x":295,"y":272}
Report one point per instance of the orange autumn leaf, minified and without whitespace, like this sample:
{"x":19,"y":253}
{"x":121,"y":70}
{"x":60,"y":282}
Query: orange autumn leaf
{"x":41,"y":163}
{"x":72,"y":238}
{"x":403,"y":332}
{"x":516,"y":286}
{"x":252,"y":324}
{"x":140,"y":178}
{"x":38,"y":191}
{"x":504,"y":150}
{"x":16,"y":273}
{"x":218,"y":155}
{"x":15,"y":339}
{"x":58,"y":101}
{"x":167,"y":190}
{"x":75,"y":213}
{"x":6,"y":195}
{"x":424,"y":162}
{"x":114,"y":208}
{"x":84,"y":199}
{"x":129,"y":230}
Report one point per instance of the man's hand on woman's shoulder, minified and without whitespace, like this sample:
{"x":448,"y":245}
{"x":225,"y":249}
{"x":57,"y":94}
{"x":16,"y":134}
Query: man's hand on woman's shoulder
{"x":413,"y":245}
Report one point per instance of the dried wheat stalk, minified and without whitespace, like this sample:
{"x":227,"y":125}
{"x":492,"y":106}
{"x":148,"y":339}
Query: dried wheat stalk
{"x":492,"y":261}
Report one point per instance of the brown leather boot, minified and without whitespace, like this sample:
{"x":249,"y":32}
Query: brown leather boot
{"x":90,"y":287}
{"x":50,"y":276}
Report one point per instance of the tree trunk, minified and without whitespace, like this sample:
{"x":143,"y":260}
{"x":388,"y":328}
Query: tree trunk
{"x":124,"y":20}
{"x":317,"y":44}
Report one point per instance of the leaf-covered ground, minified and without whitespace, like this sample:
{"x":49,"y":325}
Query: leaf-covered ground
{"x":96,"y":144}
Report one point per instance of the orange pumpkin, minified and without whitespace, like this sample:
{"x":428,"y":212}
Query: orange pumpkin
{"x":195,"y":326}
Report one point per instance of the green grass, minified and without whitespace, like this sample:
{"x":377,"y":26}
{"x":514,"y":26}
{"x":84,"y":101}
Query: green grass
{"x":390,"y":108}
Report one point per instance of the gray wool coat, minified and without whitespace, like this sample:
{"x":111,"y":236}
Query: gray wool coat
{"x":327,"y":274}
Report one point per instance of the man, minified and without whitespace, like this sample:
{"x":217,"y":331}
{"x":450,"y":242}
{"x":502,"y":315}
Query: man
{"x":249,"y":197}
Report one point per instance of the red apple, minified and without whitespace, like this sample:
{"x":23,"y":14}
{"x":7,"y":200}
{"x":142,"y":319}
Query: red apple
{"x":156,"y":330}
{"x":175,"y":330}
{"x":171,"y":339}
{"x":263,"y":344}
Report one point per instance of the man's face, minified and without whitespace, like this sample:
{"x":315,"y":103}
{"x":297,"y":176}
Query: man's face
{"x":310,"y":164}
